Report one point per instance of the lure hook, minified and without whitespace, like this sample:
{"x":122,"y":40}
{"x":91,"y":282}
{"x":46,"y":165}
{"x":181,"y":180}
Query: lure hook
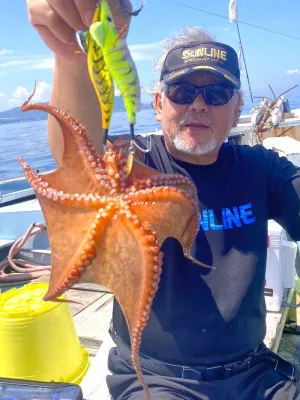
{"x":133,"y":13}
{"x":80,"y":38}
{"x":137,"y":145}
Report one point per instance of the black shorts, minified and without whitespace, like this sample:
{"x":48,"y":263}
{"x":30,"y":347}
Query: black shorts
{"x":260,"y":381}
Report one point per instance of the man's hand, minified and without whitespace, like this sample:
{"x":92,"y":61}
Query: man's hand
{"x":58,"y":20}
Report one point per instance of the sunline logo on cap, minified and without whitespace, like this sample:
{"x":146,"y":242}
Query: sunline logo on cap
{"x":214,"y":57}
{"x":204,"y":53}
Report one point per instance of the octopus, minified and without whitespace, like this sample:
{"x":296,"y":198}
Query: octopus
{"x":107,"y":219}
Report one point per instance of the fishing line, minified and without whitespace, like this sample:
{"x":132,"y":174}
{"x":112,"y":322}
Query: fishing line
{"x":239,"y":21}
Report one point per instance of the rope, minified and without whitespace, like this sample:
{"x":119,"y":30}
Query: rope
{"x":23,"y":270}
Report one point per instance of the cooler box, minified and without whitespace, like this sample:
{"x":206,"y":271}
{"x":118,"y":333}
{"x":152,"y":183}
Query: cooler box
{"x":280,"y":271}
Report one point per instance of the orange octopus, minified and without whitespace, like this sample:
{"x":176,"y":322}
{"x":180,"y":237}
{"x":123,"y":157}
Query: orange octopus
{"x":107,"y":221}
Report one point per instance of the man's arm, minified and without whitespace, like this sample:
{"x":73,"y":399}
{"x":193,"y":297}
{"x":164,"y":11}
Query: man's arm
{"x":57,"y":21}
{"x":73,"y":91}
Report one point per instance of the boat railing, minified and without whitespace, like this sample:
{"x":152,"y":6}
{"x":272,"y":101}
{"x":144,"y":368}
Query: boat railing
{"x":22,"y":178}
{"x":14,"y":191}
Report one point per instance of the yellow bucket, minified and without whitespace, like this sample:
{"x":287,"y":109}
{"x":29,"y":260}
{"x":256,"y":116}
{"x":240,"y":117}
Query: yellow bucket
{"x":38,"y":340}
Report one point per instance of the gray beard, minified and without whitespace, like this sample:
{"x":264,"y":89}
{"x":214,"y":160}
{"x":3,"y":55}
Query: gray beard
{"x":183,"y":147}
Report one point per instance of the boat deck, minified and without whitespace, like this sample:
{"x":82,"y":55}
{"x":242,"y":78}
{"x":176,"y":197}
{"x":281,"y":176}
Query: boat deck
{"x":93,"y":314}
{"x":92,"y":317}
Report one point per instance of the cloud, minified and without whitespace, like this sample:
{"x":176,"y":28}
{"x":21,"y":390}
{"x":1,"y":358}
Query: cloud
{"x":2,"y":94}
{"x":14,"y":63}
{"x":42,"y":94}
{"x":4,"y":52}
{"x":144,"y":52}
{"x":293,"y":71}
{"x":46,"y":63}
{"x":139,"y":52}
{"x":32,"y":63}
{"x":18,"y":97}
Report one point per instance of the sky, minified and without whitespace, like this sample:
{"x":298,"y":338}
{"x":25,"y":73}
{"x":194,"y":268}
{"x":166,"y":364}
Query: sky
{"x":271,"y":58}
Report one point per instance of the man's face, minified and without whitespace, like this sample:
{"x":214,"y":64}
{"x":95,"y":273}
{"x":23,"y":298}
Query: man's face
{"x":196,"y":129}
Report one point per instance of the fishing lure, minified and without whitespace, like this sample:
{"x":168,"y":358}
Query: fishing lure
{"x":99,"y":74}
{"x":119,"y":63}
{"x":114,"y":63}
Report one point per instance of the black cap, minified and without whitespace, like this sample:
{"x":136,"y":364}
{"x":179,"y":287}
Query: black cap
{"x":214,"y":57}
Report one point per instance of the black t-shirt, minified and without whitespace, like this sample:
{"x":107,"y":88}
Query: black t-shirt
{"x":207,"y":316}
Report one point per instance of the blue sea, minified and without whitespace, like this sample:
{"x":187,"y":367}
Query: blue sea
{"x":30,"y":140}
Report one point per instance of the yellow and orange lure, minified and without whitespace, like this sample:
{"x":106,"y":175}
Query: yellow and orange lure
{"x":109,"y":60}
{"x":99,"y":74}
{"x":118,"y":60}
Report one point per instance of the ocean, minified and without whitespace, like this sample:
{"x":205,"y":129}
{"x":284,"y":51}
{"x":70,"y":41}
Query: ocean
{"x":30,"y":140}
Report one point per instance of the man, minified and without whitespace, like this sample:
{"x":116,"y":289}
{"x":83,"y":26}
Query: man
{"x":204,"y":337}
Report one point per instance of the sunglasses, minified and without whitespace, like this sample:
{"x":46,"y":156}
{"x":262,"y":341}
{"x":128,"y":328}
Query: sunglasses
{"x":186,"y":93}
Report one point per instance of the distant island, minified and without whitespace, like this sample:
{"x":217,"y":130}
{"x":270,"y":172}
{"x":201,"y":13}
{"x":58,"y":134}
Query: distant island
{"x":15,"y":115}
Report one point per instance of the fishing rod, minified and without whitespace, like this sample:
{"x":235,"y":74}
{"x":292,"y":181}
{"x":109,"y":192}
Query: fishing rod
{"x":244,"y":59}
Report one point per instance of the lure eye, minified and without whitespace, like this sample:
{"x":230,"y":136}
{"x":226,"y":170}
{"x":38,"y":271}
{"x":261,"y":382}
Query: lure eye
{"x":109,"y":19}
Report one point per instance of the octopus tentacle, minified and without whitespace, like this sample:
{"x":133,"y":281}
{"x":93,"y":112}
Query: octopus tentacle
{"x":88,"y":162}
{"x":83,"y":257}
{"x":159,"y":199}
{"x":158,"y":193}
{"x":166,"y":180}
{"x":33,"y":177}
{"x":117,"y":168}
{"x":152,"y":268}
{"x":41,"y":186}
{"x":74,"y":127}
